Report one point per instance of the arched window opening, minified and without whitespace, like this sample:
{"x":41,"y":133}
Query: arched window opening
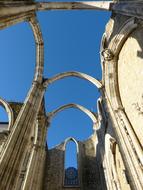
{"x":71,"y":170}
{"x":71,"y":154}
{"x":3,"y":119}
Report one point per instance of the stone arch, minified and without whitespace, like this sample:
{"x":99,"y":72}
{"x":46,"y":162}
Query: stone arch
{"x":39,"y":48}
{"x":9,"y":111}
{"x":66,"y":181}
{"x":71,"y":139}
{"x":22,"y":127}
{"x":77,"y":106}
{"x":89,"y":78}
{"x":125,"y":129}
{"x":67,"y":140}
{"x":32,"y":20}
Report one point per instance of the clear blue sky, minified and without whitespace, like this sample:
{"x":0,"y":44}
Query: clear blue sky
{"x":72,"y":42}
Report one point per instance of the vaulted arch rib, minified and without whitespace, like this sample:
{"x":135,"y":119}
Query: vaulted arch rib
{"x":90,"y":114}
{"x":89,"y":78}
{"x":9,"y":111}
{"x":39,"y":48}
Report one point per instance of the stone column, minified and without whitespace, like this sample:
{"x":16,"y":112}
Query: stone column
{"x":11,"y":159}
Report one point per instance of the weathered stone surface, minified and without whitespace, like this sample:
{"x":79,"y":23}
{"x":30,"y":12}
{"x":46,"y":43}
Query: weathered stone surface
{"x":89,"y":176}
{"x":112,"y":158}
{"x":130,"y":77}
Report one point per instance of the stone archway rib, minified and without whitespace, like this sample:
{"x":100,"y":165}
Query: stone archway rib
{"x":90,"y":114}
{"x":39,"y":49}
{"x":10,"y":8}
{"x":16,"y":144}
{"x":89,"y":78}
{"x":9,"y":111}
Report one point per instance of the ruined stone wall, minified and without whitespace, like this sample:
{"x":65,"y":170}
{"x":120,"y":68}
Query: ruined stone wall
{"x":130,"y":77}
{"x":90,"y":169}
{"x":122,"y":75}
{"x":87,"y":166}
{"x":54,"y":171}
{"x":112,"y":162}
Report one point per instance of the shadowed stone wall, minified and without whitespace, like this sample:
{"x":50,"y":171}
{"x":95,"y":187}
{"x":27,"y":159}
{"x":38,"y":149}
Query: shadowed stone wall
{"x":88,"y":167}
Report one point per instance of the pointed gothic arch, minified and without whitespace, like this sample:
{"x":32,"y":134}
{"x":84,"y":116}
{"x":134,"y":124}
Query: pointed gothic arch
{"x":68,"y":140}
{"x":90,"y":114}
{"x":9,"y":111}
{"x":39,"y":48}
{"x":71,"y":174}
{"x":84,"y":76}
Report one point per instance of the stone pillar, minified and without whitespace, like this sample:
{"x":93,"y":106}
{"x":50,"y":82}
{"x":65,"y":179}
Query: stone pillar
{"x":122,"y":53}
{"x":11,"y":158}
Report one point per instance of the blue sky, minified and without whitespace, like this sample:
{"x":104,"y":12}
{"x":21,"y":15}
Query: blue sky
{"x":72,"y":42}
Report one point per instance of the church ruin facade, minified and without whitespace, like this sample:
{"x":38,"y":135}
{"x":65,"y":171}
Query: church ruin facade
{"x":112,"y":158}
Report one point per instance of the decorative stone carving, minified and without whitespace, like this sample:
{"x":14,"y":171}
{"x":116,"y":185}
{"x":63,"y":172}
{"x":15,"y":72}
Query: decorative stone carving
{"x":107,"y":54}
{"x":23,"y":163}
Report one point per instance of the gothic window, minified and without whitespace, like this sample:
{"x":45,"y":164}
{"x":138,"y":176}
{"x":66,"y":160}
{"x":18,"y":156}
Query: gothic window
{"x":71,"y":173}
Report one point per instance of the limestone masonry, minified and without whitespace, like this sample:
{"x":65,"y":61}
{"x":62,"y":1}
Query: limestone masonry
{"x":112,"y":158}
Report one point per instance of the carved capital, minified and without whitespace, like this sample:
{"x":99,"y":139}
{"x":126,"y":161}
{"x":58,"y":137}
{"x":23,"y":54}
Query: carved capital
{"x":107,"y":55}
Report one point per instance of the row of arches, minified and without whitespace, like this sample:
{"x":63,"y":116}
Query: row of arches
{"x":38,"y":78}
{"x":92,"y":80}
{"x":47,"y":82}
{"x":40,"y":64}
{"x":53,"y":79}
{"x":91,"y":115}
